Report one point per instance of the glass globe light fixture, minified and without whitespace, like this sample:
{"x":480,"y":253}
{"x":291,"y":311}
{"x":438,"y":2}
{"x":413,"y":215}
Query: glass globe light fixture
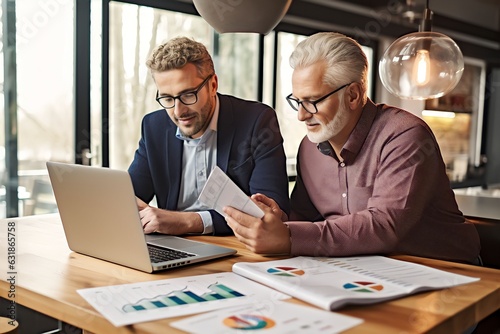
{"x":421,"y":65}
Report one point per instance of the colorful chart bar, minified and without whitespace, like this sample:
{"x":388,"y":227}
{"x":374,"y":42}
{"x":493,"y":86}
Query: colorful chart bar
{"x":180,"y":297}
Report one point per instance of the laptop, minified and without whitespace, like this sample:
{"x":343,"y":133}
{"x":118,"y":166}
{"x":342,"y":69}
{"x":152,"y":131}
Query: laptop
{"x":100,"y":217}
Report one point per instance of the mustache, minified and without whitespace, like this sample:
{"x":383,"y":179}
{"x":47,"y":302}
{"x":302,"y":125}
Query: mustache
{"x":311,"y":121}
{"x":185,"y":116}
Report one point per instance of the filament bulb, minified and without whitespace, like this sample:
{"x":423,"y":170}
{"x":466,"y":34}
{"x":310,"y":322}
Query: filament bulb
{"x":422,"y":68}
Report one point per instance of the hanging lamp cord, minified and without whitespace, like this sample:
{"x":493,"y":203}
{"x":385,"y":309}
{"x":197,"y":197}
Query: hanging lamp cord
{"x":426,"y":24}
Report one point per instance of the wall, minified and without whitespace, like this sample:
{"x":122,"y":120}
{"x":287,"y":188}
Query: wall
{"x":493,"y":133}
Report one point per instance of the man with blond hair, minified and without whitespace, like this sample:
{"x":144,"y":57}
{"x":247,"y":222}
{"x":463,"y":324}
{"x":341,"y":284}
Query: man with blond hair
{"x":196,"y":130}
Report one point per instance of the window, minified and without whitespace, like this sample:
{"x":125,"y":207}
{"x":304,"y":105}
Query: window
{"x":44,"y":66}
{"x":293,"y":131}
{"x":45,"y":75}
{"x":134,"y":32}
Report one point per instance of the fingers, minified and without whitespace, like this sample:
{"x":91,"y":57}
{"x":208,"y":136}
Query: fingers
{"x":284,"y":216}
{"x":148,"y":221}
{"x":268,"y":202}
{"x":266,"y":235}
{"x":239,"y":217}
{"x":235,"y":225}
{"x":240,"y":232}
{"x":150,"y":227}
{"x":263,"y":199}
{"x":269,"y":205}
{"x":140,"y":203}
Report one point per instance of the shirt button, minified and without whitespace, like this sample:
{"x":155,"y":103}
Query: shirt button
{"x":342,"y":164}
{"x":344,"y":195}
{"x":200,"y":173}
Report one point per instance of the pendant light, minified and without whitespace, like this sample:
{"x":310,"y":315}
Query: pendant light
{"x":259,"y":16}
{"x":422,"y":65}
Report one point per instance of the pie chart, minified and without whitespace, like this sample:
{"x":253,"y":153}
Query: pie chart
{"x":360,"y":286}
{"x":248,"y":322}
{"x":286,"y":271}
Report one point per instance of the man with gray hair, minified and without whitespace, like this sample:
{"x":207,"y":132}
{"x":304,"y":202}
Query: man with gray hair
{"x":196,"y":130}
{"x":371,"y":178}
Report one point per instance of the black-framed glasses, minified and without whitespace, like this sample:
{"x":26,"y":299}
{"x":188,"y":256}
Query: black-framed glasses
{"x":310,"y":106}
{"x":188,"y":98}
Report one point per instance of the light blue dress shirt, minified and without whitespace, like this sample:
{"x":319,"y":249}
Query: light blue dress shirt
{"x":199,"y":158}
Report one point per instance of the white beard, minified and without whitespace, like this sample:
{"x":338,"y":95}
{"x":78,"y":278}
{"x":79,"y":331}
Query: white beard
{"x":331,"y":129}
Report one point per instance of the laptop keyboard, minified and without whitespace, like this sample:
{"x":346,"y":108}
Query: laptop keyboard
{"x":161,"y":254}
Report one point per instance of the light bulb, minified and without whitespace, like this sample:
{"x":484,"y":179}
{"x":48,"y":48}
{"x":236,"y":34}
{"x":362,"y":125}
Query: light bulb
{"x":422,"y":68}
{"x":421,"y":65}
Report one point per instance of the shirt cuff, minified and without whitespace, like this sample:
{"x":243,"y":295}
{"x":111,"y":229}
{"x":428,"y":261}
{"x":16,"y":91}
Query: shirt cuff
{"x":208,"y":225}
{"x":305,"y":239}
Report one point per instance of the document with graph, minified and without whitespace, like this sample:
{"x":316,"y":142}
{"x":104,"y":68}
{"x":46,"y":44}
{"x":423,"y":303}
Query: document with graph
{"x":331,"y":283}
{"x":127,"y":304}
{"x":269,"y":317}
{"x":221,"y":191}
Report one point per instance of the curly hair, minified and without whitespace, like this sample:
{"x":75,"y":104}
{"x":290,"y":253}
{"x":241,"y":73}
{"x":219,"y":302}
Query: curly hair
{"x":178,"y":52}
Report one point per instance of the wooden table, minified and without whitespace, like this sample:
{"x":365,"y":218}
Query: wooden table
{"x":48,"y":275}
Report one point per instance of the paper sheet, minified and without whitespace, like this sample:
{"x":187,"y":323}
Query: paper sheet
{"x":127,"y":304}
{"x":333,"y":282}
{"x":221,"y":191}
{"x":268,"y":317}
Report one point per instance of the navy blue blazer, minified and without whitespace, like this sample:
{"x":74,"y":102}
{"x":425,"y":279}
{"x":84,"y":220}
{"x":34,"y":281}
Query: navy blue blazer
{"x":249,"y":149}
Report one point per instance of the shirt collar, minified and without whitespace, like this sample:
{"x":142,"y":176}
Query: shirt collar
{"x":212,"y":126}
{"x":326,"y":148}
{"x":358,"y":135}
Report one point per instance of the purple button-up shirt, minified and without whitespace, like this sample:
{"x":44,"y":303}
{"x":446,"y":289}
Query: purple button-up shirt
{"x":389,"y":195}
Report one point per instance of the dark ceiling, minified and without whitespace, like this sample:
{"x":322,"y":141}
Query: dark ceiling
{"x":367,"y":20}
{"x":460,"y":10}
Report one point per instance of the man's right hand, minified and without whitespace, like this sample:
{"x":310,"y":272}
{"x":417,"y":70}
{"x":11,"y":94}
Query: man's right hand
{"x":266,"y":235}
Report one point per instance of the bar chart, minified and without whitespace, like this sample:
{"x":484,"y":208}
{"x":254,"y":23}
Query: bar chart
{"x":126,"y":304}
{"x":183,"y":297}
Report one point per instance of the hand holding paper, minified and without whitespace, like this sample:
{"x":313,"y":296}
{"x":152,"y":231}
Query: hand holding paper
{"x":262,"y":234}
{"x":221,"y":191}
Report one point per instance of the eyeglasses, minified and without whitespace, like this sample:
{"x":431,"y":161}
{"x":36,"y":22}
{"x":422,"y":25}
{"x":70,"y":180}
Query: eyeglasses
{"x":188,"y":98}
{"x":310,"y":106}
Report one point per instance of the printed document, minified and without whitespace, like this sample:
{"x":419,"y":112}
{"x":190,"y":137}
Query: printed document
{"x":221,"y":191}
{"x":333,"y":282}
{"x":127,"y":304}
{"x":269,"y":317}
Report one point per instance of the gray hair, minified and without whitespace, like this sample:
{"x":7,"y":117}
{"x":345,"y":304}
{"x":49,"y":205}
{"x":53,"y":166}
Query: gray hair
{"x":345,"y":59}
